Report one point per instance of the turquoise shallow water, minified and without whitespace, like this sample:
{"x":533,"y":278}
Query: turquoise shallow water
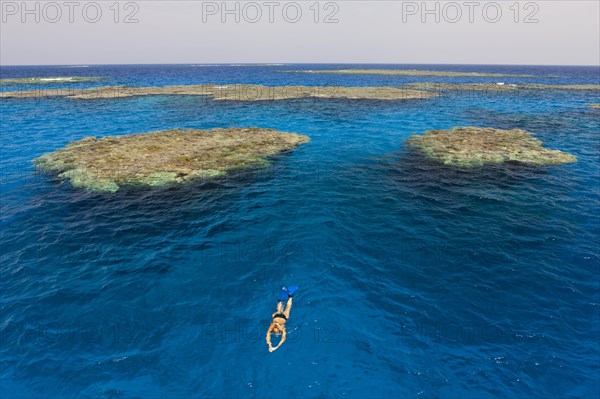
{"x":416,"y":281}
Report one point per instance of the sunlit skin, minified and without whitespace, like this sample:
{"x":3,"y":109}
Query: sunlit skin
{"x":277,"y":326}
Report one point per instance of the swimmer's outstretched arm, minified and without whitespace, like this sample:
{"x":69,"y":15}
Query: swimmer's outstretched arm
{"x":269,"y":338}
{"x":283,"y":335}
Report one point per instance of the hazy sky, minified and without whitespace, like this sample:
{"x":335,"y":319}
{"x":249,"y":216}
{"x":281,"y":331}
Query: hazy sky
{"x":467,"y":32}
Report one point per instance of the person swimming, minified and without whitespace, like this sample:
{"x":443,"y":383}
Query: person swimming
{"x":280,"y":317}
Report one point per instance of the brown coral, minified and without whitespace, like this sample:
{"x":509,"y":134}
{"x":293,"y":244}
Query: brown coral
{"x":164,"y":157}
{"x":475,"y":146}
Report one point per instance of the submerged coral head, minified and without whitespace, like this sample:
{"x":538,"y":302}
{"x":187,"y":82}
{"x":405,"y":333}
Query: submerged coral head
{"x":476,"y":146}
{"x":164,"y":157}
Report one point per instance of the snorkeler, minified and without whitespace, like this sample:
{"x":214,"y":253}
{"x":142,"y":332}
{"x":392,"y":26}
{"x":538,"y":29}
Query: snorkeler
{"x":280,"y":317}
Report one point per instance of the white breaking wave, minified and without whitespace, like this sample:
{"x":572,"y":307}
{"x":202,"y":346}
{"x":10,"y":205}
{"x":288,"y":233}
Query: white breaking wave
{"x":55,"y":79}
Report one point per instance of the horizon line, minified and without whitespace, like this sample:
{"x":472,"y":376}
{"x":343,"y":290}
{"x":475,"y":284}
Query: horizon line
{"x":290,"y":63}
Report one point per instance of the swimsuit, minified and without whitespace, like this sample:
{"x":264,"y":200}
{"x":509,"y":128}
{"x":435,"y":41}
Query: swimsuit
{"x":280,"y":315}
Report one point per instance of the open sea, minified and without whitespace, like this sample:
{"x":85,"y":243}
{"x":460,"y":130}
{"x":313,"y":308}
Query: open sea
{"x":416,"y":281}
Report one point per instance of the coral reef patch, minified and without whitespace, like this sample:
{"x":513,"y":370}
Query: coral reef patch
{"x":476,"y":146}
{"x":164,"y":157}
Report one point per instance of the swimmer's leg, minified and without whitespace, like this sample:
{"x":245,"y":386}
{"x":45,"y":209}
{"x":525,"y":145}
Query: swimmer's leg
{"x":288,"y":307}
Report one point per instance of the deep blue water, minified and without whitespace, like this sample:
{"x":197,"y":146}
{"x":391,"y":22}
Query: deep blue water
{"x":416,"y":280}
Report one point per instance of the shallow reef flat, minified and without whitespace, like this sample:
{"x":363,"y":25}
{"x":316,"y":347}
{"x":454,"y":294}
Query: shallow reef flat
{"x":50,"y":79}
{"x":448,"y":87}
{"x":559,"y":87}
{"x":235,"y":92}
{"x":475,"y":146}
{"x":249,"y":92}
{"x":441,"y":87}
{"x":164,"y":157}
{"x":409,"y":72}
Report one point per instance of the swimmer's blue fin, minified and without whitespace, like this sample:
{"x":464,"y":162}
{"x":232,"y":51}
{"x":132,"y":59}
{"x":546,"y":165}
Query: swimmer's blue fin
{"x":286,"y":293}
{"x":283,"y":294}
{"x":292,"y":289}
